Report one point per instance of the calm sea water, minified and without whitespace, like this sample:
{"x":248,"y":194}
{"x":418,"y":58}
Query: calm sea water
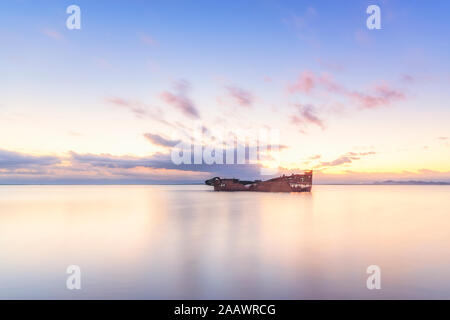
{"x":187,"y":242}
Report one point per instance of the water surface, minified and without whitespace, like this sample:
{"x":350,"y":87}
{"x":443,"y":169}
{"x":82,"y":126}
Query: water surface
{"x":188,"y":242}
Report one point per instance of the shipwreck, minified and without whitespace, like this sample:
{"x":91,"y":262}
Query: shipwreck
{"x":301,"y":182}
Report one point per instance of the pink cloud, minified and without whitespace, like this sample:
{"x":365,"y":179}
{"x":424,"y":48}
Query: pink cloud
{"x":296,"y":119}
{"x":383,"y":96}
{"x":139,"y":109}
{"x":304,"y":84}
{"x":366,"y":101}
{"x":147,"y":40}
{"x":337,"y":162}
{"x":363,"y":37}
{"x":308,"y":81}
{"x":407,"y":78}
{"x":241,"y":96}
{"x":349,"y":157}
{"x":327,"y":81}
{"x":161,"y":141}
{"x":388,"y":93}
{"x":103,"y":63}
{"x":307,"y":114}
{"x":135,"y":107}
{"x":180,"y":101}
{"x":52,"y":34}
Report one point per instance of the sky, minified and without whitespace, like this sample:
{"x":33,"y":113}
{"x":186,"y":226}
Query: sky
{"x":110,"y":102}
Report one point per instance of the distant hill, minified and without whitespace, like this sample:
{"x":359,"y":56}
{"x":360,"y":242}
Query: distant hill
{"x":412,"y":182}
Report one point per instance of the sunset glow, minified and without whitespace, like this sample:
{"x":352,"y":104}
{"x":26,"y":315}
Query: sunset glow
{"x":106,"y":103}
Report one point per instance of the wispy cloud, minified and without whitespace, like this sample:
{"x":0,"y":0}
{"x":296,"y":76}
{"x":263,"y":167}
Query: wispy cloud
{"x":110,"y":161}
{"x":139,"y":109}
{"x":379,"y":95}
{"x":303,"y":25}
{"x":241,"y":96}
{"x":407,"y":78}
{"x":180,"y":100}
{"x":445,"y":141}
{"x":307,"y":114}
{"x":327,"y":81}
{"x":51,"y":33}
{"x":136,"y":107}
{"x":349,"y":157}
{"x":103,"y":63}
{"x":158,"y":140}
{"x":74,"y":133}
{"x":16,"y":160}
{"x":147,"y":40}
{"x":337,"y":162}
{"x":363,"y":38}
{"x":163,"y":161}
{"x":305,"y":83}
{"x":383,"y":96}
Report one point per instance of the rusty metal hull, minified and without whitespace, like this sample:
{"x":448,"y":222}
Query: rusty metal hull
{"x":293,"y":183}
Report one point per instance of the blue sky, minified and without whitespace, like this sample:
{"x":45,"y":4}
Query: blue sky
{"x":66,"y":92}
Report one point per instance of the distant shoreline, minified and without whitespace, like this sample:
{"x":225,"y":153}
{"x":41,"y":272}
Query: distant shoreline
{"x":413,"y":182}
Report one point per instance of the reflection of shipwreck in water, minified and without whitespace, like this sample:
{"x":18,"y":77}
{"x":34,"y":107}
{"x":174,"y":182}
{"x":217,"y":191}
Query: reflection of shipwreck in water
{"x":293,"y":183}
